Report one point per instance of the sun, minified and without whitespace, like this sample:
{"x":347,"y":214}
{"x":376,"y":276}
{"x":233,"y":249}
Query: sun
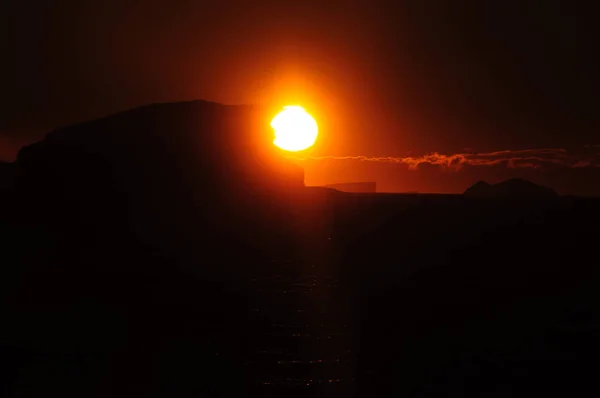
{"x":295,"y":129}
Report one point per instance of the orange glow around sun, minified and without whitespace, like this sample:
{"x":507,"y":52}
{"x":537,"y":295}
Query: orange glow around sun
{"x":295,"y":129}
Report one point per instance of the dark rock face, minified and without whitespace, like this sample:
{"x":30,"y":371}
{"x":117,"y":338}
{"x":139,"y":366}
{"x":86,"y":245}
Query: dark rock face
{"x":126,"y":239}
{"x":166,"y":172}
{"x":517,"y":188}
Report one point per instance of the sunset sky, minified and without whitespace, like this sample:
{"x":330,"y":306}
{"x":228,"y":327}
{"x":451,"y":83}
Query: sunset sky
{"x":426,"y":96}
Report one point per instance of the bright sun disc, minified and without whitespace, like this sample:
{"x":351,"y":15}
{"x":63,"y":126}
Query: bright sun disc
{"x":295,"y":129}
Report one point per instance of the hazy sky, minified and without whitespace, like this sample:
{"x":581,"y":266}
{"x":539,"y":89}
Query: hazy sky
{"x":388,"y":79}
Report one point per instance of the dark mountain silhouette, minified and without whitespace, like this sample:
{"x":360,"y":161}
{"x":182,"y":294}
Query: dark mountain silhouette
{"x":126,"y":242}
{"x":170,"y":250}
{"x":172,"y":174}
{"x":359,"y":187}
{"x":479,"y":188}
{"x":510,"y":188}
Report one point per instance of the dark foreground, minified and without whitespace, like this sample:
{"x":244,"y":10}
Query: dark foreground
{"x":350,"y":295}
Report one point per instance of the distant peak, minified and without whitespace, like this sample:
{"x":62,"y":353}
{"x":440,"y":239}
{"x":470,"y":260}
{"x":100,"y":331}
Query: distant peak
{"x":481,"y":184}
{"x":514,"y":187}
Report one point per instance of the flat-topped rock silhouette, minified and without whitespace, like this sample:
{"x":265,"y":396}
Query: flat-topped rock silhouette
{"x":129,"y":235}
{"x":515,"y":187}
{"x":174,"y":174}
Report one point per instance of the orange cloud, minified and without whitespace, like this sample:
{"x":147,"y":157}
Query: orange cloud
{"x":524,"y":158}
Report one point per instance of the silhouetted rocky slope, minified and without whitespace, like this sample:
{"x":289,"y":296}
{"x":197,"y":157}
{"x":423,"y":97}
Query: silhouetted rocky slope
{"x":176,"y":175}
{"x":516,"y":187}
{"x":126,"y":242}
